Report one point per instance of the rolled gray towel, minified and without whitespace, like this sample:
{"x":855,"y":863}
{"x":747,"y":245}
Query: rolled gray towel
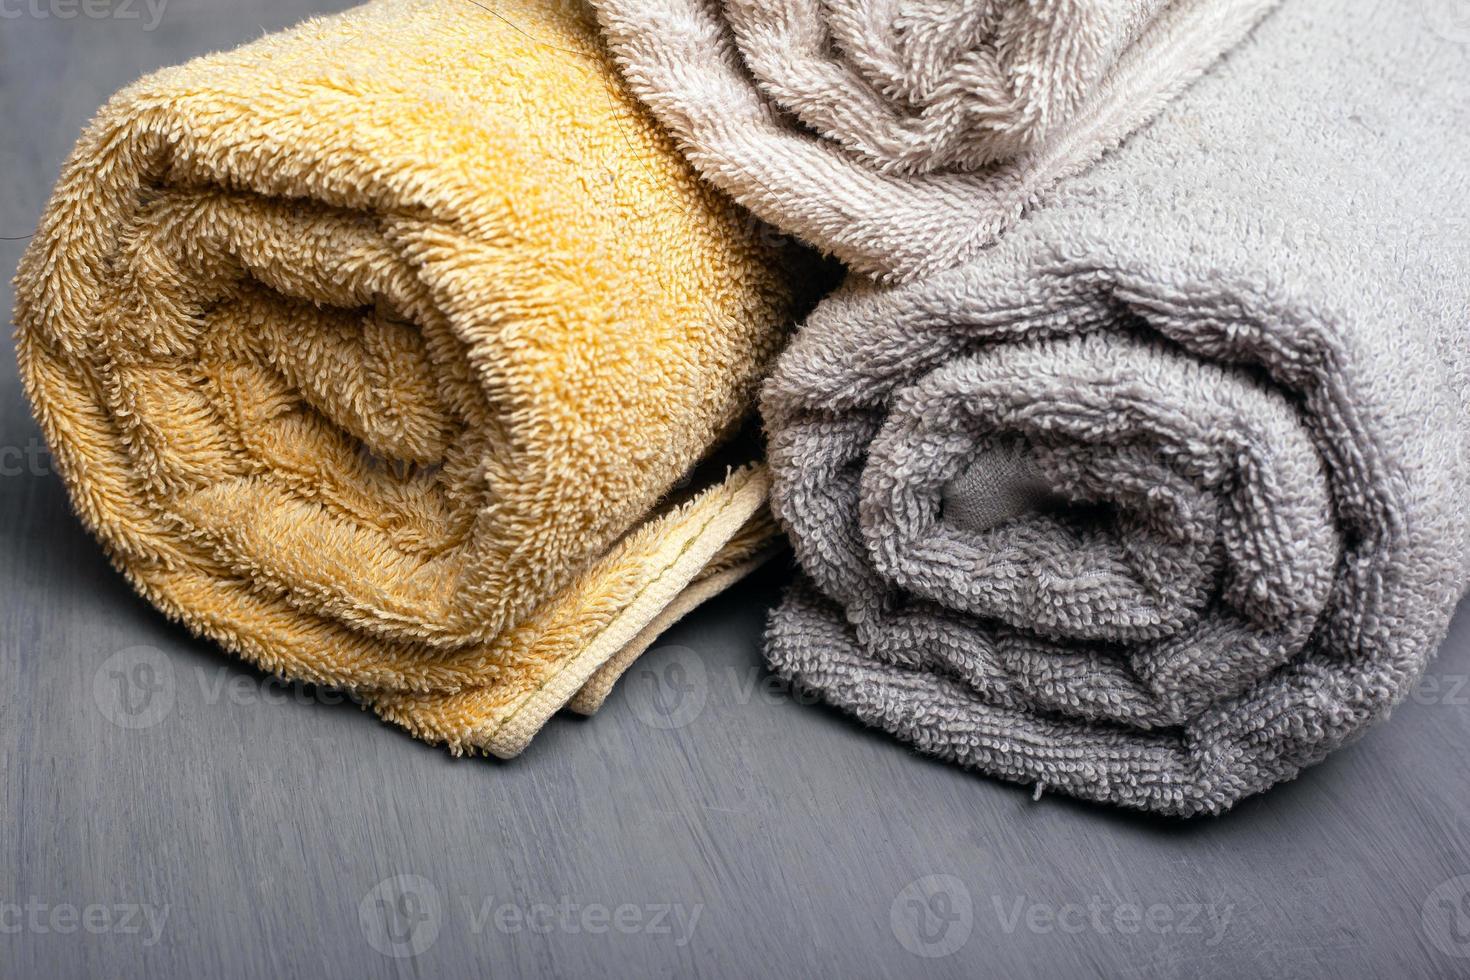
{"x":904,"y":135}
{"x":1162,"y":498}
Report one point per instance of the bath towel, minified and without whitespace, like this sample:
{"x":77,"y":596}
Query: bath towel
{"x":1161,"y":498}
{"x":380,"y":351}
{"x":902,"y":136}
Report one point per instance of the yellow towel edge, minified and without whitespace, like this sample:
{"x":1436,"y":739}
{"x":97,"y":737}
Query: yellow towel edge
{"x":595,"y":692}
{"x":691,"y":543}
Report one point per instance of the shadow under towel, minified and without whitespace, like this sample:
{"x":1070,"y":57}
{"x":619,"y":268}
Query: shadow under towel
{"x":904,"y":136}
{"x":1162,"y":498}
{"x":377,"y":349}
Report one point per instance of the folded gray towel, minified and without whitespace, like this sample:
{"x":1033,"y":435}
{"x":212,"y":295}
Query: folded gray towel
{"x":904,"y":135}
{"x":1161,"y":498}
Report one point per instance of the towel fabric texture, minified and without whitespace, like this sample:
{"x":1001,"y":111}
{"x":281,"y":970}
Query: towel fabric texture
{"x":1161,"y":498}
{"x":900,"y":136}
{"x":379,"y":350}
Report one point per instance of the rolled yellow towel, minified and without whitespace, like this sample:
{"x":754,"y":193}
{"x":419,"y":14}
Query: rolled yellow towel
{"x":375,"y":350}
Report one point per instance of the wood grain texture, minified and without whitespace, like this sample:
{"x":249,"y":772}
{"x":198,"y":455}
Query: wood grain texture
{"x":261,"y":820}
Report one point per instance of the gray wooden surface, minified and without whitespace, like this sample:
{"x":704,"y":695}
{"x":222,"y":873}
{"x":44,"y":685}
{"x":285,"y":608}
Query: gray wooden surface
{"x":210,"y":823}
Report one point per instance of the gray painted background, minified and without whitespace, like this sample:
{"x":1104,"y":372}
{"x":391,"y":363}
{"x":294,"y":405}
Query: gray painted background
{"x":215,"y":824}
